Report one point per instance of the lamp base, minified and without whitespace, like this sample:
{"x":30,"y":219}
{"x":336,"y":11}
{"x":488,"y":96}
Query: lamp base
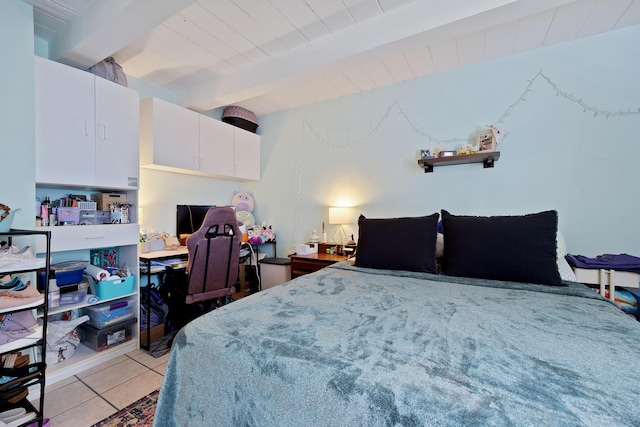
{"x":342,"y":236}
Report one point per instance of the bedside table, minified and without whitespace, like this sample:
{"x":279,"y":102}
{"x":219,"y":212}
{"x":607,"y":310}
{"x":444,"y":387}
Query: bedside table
{"x":305,"y":264}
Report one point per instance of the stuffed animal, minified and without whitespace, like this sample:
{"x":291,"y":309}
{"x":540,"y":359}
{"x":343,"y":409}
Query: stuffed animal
{"x":243,"y":202}
{"x":255,"y":234}
{"x":268,"y":234}
{"x":245,"y":218}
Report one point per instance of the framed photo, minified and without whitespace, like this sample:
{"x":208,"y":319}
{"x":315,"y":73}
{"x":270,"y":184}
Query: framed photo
{"x":486,"y":141}
{"x":425,"y":154}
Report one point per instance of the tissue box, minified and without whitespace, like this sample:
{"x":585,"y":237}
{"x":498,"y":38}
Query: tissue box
{"x":307,"y":249}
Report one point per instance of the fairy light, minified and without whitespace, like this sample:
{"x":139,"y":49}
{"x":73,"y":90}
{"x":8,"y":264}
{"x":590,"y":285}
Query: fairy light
{"x":430,"y":138}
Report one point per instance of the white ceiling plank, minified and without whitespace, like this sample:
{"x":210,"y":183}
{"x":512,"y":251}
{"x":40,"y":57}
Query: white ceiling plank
{"x":378,"y":73}
{"x":203,"y":40}
{"x":106,"y":27}
{"x":501,"y":39}
{"x":273,"y":22}
{"x":239,"y":20}
{"x":471,"y":47}
{"x":205,"y":29}
{"x":420,"y":62}
{"x":388,"y":5}
{"x":398,"y":67}
{"x":362,"y":10}
{"x":340,"y":82}
{"x":302,"y":17}
{"x":332,"y":13}
{"x":445,"y":55}
{"x":532,"y":31}
{"x":604,"y":16}
{"x":568,"y":21}
{"x":359,"y":78}
{"x":631,"y":16}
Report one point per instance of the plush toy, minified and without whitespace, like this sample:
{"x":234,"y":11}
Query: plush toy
{"x":255,"y":234}
{"x":245,"y":218}
{"x":268,"y":234}
{"x":243,"y":202}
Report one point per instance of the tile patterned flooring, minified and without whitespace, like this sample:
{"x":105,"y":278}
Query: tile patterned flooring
{"x":94,"y":394}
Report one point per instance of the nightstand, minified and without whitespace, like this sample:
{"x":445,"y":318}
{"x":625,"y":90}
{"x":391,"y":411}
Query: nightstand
{"x":305,"y":264}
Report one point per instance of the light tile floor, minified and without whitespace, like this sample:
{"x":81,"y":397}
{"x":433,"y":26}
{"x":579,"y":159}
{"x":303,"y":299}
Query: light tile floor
{"x":94,"y":394}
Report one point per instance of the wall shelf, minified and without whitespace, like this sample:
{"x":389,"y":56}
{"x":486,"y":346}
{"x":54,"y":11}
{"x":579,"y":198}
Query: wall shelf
{"x":487,"y":159}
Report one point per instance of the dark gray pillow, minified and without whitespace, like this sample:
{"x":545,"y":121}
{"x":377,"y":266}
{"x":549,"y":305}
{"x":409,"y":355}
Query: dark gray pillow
{"x":398,"y":243}
{"x":510,"y":248}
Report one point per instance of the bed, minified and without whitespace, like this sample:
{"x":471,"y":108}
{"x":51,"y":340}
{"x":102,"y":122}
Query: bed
{"x":352,"y":345}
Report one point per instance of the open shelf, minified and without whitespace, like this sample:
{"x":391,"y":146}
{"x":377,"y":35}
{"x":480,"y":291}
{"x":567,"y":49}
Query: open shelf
{"x":487,"y":159}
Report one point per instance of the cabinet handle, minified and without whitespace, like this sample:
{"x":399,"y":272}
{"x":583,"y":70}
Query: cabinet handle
{"x":86,"y":128}
{"x":93,"y":237}
{"x":102,"y":135}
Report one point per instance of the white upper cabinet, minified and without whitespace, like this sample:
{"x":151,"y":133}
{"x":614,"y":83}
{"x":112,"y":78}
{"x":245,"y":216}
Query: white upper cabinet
{"x":216,"y":147}
{"x":65,"y":123}
{"x":169,"y":135}
{"x":117,"y":135}
{"x":87,"y":128}
{"x":176,"y":139}
{"x":246,"y":154}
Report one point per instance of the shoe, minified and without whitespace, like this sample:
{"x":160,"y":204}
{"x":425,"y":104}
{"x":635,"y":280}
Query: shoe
{"x":12,"y":257}
{"x":14,"y":284}
{"x":27,"y":296}
{"x":14,"y":360}
{"x":15,"y":417}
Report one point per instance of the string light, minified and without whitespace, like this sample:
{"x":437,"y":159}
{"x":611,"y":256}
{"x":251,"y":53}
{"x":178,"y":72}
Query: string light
{"x":431,"y":139}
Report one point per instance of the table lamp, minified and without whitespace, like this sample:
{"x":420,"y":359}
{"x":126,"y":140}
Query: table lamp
{"x":339,"y":216}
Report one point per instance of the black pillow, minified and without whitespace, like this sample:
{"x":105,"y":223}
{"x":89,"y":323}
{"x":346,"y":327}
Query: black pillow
{"x":398,"y":243}
{"x":510,"y":248}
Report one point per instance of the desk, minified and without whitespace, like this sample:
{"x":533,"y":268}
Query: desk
{"x":181,"y":253}
{"x":174,"y":258}
{"x":305,"y":264}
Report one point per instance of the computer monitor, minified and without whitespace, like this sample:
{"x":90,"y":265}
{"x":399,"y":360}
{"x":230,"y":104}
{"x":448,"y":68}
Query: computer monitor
{"x":189,"y":218}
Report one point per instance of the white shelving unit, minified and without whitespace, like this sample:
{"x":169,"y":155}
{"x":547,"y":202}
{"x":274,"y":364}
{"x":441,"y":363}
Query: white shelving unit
{"x":87,"y":143}
{"x":34,"y":344}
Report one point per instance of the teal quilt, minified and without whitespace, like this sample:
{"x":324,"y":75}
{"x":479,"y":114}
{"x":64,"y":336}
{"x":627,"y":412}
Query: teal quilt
{"x":347,"y":346}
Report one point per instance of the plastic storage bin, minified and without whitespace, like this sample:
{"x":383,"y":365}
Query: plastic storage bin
{"x":108,"y":289}
{"x":102,"y":339}
{"x":73,"y":294}
{"x":274,"y":271}
{"x":107,"y":314}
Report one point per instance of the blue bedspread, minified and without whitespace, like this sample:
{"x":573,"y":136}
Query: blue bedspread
{"x":355,"y":347}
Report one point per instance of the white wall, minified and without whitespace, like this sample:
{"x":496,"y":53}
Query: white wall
{"x":556,"y":155}
{"x":17,"y":134}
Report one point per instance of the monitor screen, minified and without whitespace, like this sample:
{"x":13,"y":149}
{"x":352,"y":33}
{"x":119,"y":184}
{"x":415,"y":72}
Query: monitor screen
{"x":189,"y":218}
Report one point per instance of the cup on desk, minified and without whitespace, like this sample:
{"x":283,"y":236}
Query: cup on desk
{"x":145,"y":247}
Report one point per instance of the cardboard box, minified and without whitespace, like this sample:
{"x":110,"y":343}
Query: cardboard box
{"x":103,"y":200}
{"x":157,"y":332}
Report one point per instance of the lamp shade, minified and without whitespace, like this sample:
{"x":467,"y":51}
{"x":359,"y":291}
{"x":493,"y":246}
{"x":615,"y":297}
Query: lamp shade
{"x":340,"y":215}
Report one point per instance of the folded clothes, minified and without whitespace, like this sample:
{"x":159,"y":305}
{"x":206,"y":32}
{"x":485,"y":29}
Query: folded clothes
{"x":622,"y":262}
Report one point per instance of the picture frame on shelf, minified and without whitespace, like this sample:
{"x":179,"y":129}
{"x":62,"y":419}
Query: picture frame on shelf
{"x":486,"y":141}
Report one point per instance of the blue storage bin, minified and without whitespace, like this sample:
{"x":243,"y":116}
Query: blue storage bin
{"x":107,"y":314}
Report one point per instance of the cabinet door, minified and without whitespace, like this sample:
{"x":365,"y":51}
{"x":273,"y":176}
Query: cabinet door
{"x":64,"y":124}
{"x":246,"y":154}
{"x":216,"y":147}
{"x":172,"y":140}
{"x":117,"y":135}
